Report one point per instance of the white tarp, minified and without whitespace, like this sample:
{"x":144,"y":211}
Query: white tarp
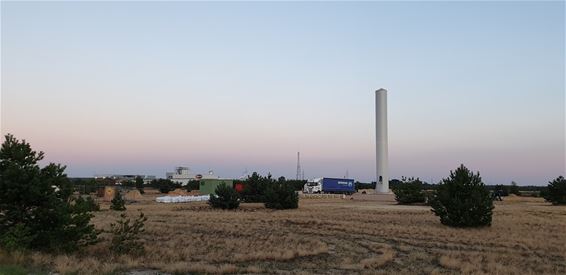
{"x":173,"y":199}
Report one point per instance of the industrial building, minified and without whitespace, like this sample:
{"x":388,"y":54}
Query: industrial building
{"x":183,"y":175}
{"x":119,"y":178}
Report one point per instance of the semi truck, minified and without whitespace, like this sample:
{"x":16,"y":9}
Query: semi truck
{"x":330,"y":185}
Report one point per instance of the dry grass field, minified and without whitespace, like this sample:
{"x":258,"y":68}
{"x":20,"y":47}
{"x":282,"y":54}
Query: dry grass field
{"x":330,"y":236}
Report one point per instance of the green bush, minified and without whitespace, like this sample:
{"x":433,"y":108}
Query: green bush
{"x":501,"y":190}
{"x":126,"y":235}
{"x":36,"y":209}
{"x":84,"y":186}
{"x":16,"y":237}
{"x":298,"y":185}
{"x":462,"y":200}
{"x":409,"y":191}
{"x":362,"y":185}
{"x":118,"y":203}
{"x":226,"y":198}
{"x":164,"y":185}
{"x":255,"y":187}
{"x":139,"y":184}
{"x":87,"y":204}
{"x":281,"y":196}
{"x":193,"y":185}
{"x":555,"y":192}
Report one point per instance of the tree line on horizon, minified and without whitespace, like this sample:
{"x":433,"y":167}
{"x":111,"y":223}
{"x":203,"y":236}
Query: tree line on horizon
{"x":38,"y":210}
{"x":89,"y":185}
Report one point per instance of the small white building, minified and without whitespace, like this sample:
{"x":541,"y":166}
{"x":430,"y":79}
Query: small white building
{"x":183,"y":175}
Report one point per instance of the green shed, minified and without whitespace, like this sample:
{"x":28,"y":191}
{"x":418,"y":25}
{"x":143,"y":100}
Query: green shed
{"x":208,"y":186}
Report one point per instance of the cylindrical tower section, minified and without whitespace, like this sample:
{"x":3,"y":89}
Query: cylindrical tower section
{"x":381,"y":151}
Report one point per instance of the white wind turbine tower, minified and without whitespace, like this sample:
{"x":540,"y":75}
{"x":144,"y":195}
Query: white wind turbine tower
{"x":381,"y":150}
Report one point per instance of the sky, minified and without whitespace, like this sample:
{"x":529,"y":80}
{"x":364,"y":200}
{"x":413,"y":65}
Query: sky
{"x":142,"y":87}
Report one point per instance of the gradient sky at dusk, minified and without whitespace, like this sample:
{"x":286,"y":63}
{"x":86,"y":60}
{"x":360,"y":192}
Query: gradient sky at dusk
{"x":118,"y":87}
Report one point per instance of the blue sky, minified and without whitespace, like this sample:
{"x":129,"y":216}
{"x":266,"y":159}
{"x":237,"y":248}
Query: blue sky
{"x":122,"y":87}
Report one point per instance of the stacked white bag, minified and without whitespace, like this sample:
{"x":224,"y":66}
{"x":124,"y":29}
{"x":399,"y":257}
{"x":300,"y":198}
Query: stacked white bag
{"x":175,"y":199}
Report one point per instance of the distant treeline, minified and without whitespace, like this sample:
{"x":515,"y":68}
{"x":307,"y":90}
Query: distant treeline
{"x":512,"y":188}
{"x":90,"y":185}
{"x":394,"y":183}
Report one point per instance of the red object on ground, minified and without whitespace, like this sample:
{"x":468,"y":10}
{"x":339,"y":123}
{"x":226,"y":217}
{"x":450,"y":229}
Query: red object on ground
{"x":239,"y":186}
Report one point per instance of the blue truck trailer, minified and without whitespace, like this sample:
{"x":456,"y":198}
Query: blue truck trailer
{"x":330,"y":185}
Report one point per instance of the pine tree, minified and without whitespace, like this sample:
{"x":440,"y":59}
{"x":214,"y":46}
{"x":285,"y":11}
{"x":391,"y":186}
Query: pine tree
{"x":255,"y":187}
{"x":409,"y":191}
{"x":126,"y":235}
{"x":118,"y":203}
{"x":225,"y":198}
{"x":462,"y":200}
{"x":36,"y":209}
{"x":281,"y":196}
{"x":139,"y":184}
{"x":88,"y":204}
{"x":555,"y":192}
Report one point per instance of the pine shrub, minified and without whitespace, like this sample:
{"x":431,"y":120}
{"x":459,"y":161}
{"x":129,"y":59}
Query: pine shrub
{"x":281,"y":196}
{"x":255,"y":187}
{"x":165,"y":185}
{"x":17,"y":237}
{"x":462,"y":200}
{"x":555,"y":192}
{"x":192,"y":185}
{"x":225,"y":198}
{"x":88,"y":204}
{"x":501,"y":190}
{"x":139,"y":184}
{"x":409,"y":191}
{"x":126,"y":235}
{"x":36,"y":209}
{"x":118,"y":203}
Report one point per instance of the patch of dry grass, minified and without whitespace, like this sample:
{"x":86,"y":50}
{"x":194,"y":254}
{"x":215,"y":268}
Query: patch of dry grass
{"x":329,"y":236}
{"x":385,"y":256}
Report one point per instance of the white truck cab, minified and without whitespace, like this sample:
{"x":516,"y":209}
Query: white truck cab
{"x":313,"y":187}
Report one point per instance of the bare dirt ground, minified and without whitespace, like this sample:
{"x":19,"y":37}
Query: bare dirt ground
{"x":364,"y":235}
